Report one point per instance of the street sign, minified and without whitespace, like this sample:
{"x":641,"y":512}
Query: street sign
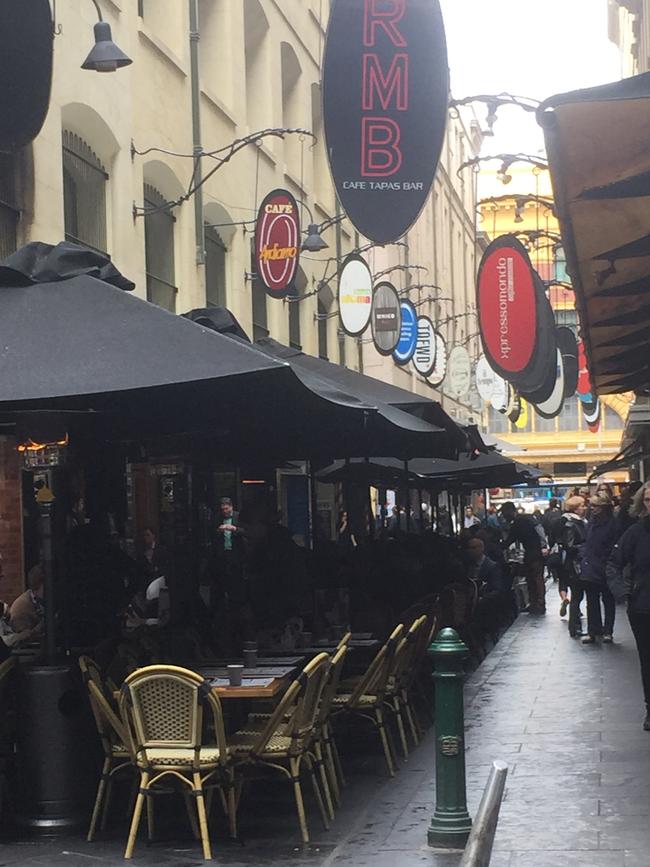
{"x":405,"y":349}
{"x":386,"y":318}
{"x":385,"y":101}
{"x":277,"y":242}
{"x":424,"y":359}
{"x":355,"y":295}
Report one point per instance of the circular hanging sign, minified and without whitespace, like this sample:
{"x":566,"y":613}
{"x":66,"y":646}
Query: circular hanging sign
{"x":568,"y":346}
{"x":424,"y":359}
{"x":486,"y":379}
{"x":553,"y":406}
{"x":584,"y":379}
{"x":277,"y":242}
{"x":507,"y":307}
{"x":355,"y":295}
{"x":459,"y":372}
{"x":439,"y":371}
{"x":385,"y":318}
{"x":385,"y":101}
{"x":500,"y":395}
{"x":408,"y":335}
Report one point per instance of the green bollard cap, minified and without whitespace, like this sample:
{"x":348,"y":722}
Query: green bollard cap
{"x":448,"y":642}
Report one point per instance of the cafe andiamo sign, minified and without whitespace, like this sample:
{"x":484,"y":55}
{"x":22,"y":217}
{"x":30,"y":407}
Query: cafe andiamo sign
{"x":277,"y":242}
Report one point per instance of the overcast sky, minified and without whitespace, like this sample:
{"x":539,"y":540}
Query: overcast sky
{"x":533,"y":48}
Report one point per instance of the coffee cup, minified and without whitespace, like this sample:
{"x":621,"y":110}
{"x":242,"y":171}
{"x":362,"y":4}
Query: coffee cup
{"x":235,"y":673}
{"x":250,"y":657}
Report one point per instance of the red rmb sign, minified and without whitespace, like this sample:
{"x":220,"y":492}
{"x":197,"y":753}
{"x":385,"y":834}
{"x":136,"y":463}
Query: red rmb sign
{"x":507,"y":307}
{"x":277,"y":242}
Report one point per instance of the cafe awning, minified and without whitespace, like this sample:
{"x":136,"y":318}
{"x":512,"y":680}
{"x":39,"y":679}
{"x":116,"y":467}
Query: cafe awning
{"x":72,"y":341}
{"x":597,"y":142}
{"x":486,"y":471}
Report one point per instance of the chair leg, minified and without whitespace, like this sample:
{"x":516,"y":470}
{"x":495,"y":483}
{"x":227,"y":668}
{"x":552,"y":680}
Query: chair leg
{"x":400,"y":727}
{"x":320,"y":761}
{"x":330,"y":767}
{"x":151,"y":825}
{"x":337,"y":761}
{"x":191,"y":815}
{"x":297,"y":793}
{"x":410,"y":717}
{"x":317,"y":792}
{"x":381,"y":725}
{"x":137,"y":813}
{"x":232,"y":808}
{"x":203,"y":818}
{"x":101,"y":793}
{"x":107,"y":803}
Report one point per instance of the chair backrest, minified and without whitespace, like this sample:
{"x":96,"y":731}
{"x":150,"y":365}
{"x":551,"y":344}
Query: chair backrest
{"x":313,"y":679}
{"x":332,"y":685}
{"x":163,"y":707}
{"x":109,"y":726}
{"x":284,"y":708}
{"x":375,"y":678}
{"x":344,"y":641}
{"x":406,"y":650}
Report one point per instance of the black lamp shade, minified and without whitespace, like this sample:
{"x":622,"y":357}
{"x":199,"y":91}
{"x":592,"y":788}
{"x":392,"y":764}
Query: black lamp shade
{"x":314,"y":242}
{"x":105,"y":55}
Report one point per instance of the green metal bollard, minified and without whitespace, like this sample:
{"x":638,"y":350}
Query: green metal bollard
{"x":451,"y":823}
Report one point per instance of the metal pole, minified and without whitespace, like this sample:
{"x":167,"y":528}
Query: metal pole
{"x":479,"y":846}
{"x":45,"y":514}
{"x":196,"y":131}
{"x":450,"y":823}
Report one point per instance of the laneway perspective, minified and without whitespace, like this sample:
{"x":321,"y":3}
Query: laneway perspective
{"x":325,"y":432}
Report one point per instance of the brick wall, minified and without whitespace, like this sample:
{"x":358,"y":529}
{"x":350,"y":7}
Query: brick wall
{"x":11,"y":549}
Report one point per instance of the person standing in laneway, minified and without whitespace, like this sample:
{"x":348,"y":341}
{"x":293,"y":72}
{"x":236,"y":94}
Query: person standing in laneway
{"x":522,"y":529}
{"x":601,"y":538}
{"x":471,"y":520}
{"x":574,"y":534}
{"x":628,"y":575}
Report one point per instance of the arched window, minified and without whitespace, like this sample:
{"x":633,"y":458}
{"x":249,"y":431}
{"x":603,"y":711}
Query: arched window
{"x":9,"y":212}
{"x":84,"y":194}
{"x":159,"y":250}
{"x":322,"y":330}
{"x":215,"y":48}
{"x":258,"y":94}
{"x":291,"y":106}
{"x":215,"y":268}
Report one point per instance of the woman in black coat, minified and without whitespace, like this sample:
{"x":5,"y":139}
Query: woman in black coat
{"x":573,"y":535}
{"x":628,"y":575}
{"x":601,"y":538}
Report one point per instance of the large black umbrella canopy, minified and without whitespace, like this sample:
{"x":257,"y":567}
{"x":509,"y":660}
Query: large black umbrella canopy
{"x":73,"y":341}
{"x":485,"y":471}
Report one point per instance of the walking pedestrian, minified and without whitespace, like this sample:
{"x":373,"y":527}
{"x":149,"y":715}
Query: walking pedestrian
{"x":574,"y":534}
{"x":628,"y":575}
{"x":523,"y":529}
{"x":601,"y":538}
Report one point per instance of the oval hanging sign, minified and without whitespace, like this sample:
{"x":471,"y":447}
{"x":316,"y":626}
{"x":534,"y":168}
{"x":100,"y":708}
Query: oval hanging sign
{"x":507,"y":308}
{"x":501,"y":396}
{"x":459,"y":372}
{"x":385,"y":318}
{"x":424,"y":359}
{"x":553,"y":406}
{"x":355,"y":295}
{"x":408,"y":336}
{"x":439,"y":371}
{"x":486,"y":379}
{"x":385,"y":100}
{"x":277,"y":242}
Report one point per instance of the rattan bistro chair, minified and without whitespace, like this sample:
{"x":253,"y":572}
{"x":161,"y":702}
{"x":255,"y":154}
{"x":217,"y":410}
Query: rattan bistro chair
{"x":114,"y":739}
{"x":285,"y":741}
{"x":163,"y":707}
{"x":325,"y":751}
{"x":367,"y":698}
{"x":396,"y":691}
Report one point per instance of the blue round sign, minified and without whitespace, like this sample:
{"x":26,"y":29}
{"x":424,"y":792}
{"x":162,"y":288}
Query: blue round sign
{"x":408,"y":336}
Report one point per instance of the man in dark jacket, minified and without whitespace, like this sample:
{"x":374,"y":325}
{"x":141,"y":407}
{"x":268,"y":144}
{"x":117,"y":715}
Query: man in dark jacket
{"x":601,"y":538}
{"x":628,"y":575}
{"x":523,"y":529}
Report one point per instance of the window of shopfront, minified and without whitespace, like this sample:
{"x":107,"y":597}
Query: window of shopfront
{"x":84,"y":194}
{"x":322,"y":330}
{"x":159,"y":250}
{"x":215,"y":269}
{"x":9,"y":212}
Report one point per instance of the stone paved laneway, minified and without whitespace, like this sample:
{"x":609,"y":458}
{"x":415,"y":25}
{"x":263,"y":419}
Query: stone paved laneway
{"x":566,"y":718}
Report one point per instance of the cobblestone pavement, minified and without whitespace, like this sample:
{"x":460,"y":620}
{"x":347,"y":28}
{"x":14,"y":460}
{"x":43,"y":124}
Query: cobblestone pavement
{"x":567,"y":720}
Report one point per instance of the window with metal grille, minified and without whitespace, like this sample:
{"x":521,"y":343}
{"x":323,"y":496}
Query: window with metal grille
{"x":215,"y":269}
{"x":84,"y":194}
{"x":9,"y":213}
{"x":322,"y":331}
{"x":260,"y":320}
{"x":159,"y":250}
{"x":294,"y":319}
